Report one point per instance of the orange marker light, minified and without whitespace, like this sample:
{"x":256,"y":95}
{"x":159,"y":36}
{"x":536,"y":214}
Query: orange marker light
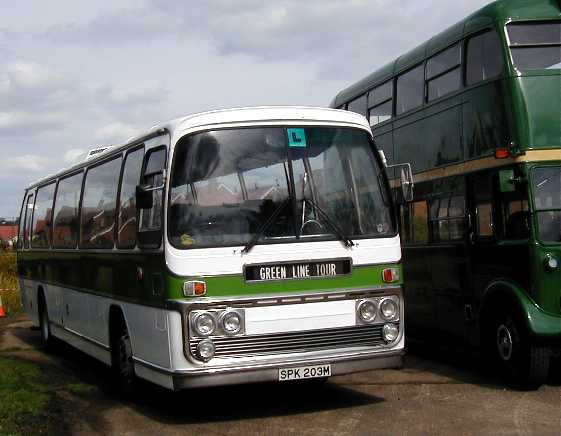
{"x":194,"y":288}
{"x":501,"y":153}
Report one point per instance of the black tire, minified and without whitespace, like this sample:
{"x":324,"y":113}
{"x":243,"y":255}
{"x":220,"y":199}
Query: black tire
{"x":518,"y":357}
{"x":47,"y":339}
{"x":123,"y":364}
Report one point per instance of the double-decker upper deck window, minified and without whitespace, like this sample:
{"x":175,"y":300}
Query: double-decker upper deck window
{"x":484,"y":58}
{"x":444,"y":72}
{"x":410,"y":90}
{"x":535,"y":46}
{"x":358,"y":105}
{"x":380,"y":102}
{"x":65,"y":228}
{"x":98,"y":205}
{"x":42,"y":217}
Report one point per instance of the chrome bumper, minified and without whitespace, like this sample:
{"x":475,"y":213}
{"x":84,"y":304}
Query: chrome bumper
{"x":269,"y":372}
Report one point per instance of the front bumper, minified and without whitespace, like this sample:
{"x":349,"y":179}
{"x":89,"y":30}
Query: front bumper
{"x":269,"y":373}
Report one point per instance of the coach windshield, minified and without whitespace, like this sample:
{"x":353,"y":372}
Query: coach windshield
{"x":247,"y":186}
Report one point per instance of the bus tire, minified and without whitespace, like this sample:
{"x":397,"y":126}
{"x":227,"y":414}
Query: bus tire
{"x":123,"y":364}
{"x":47,"y":339}
{"x":520,"y":359}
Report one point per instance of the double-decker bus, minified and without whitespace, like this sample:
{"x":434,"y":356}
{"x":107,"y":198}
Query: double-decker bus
{"x":477,"y":111}
{"x":225,"y":247}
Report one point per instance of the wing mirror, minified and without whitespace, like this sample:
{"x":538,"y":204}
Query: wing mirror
{"x":144,"y":198}
{"x":406,"y":180}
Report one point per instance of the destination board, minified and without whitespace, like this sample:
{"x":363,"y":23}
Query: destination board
{"x":297,"y":270}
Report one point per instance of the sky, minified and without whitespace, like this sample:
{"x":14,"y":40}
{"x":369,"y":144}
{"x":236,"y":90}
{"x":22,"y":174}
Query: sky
{"x":77,"y":75}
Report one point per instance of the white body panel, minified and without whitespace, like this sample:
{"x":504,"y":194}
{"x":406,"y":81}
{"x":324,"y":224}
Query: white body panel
{"x":299,"y":317}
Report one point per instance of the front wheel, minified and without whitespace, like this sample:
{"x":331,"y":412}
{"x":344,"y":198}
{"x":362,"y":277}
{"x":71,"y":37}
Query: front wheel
{"x":123,"y":363}
{"x":517,"y":355}
{"x":44,"y":325}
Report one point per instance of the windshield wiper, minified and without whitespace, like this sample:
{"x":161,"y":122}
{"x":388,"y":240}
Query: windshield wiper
{"x":336,"y":229}
{"x":272,"y":219}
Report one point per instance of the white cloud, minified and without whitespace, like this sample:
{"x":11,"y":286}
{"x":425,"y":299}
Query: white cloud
{"x":29,"y":123}
{"x":135,"y":93}
{"x":29,"y":163}
{"x":114,"y":133}
{"x":74,"y":155}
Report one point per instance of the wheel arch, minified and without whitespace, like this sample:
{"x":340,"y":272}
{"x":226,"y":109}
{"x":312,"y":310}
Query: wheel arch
{"x":117,"y":320}
{"x":502,"y":295}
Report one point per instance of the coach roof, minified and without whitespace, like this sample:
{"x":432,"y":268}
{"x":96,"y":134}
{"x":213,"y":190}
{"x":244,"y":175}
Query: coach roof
{"x":263,"y":114}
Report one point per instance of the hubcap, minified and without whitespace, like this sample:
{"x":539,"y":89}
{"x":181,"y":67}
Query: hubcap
{"x":504,"y":342}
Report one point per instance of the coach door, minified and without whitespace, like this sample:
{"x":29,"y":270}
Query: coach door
{"x":499,"y":230}
{"x":150,"y":197}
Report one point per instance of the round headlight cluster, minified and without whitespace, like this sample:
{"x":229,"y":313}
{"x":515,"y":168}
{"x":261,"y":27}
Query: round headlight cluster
{"x":388,"y":309}
{"x":217,"y":322}
{"x":206,"y":349}
{"x":367,"y":310}
{"x":231,"y":322}
{"x":204,"y":324}
{"x":390,"y":332}
{"x":377,"y":310}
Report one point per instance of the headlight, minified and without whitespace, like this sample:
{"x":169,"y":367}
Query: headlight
{"x":231,"y":322}
{"x":390,"y":332}
{"x":367,"y":311}
{"x":388,"y":309}
{"x":551,"y":262}
{"x":204,"y":324}
{"x":206,"y":349}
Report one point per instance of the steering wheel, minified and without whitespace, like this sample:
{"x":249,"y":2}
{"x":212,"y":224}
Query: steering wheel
{"x":311,"y":221}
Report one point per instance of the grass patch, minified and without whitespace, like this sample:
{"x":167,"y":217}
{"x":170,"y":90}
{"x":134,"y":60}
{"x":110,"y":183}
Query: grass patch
{"x":81,"y":389}
{"x":8,"y":280}
{"x":25,"y":396}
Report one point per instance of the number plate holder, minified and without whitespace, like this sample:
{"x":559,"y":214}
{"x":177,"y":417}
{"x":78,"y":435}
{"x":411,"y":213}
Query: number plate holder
{"x":304,"y":372}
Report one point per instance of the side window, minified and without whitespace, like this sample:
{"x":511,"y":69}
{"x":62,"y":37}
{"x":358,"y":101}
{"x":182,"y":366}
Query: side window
{"x":65,"y":228}
{"x":482,"y":186}
{"x":358,"y":105}
{"x":444,"y":74}
{"x":380,"y":103}
{"x":27,"y":223}
{"x":484,"y":59}
{"x":414,"y":223}
{"x":97,"y":221}
{"x":126,"y":222}
{"x":151,"y":219}
{"x":484,"y":225}
{"x":447,"y":218}
{"x":42,"y":217}
{"x":410,"y":90}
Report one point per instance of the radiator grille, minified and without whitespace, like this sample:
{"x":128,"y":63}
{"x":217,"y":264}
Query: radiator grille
{"x":294,"y":342}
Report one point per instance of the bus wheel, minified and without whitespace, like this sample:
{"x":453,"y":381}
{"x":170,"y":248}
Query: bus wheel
{"x":521,"y":360}
{"x":44,"y":326}
{"x":124,"y":366}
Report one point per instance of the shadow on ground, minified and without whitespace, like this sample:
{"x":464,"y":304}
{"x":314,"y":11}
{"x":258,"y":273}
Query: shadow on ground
{"x":187,"y":407}
{"x":423,"y":365}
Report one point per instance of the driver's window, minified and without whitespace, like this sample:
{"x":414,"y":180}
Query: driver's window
{"x":150,"y":222}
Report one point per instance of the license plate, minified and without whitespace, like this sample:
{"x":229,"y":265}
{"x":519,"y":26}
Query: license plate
{"x":304,"y":372}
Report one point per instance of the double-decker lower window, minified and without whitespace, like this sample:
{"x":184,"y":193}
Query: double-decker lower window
{"x":547,"y":200}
